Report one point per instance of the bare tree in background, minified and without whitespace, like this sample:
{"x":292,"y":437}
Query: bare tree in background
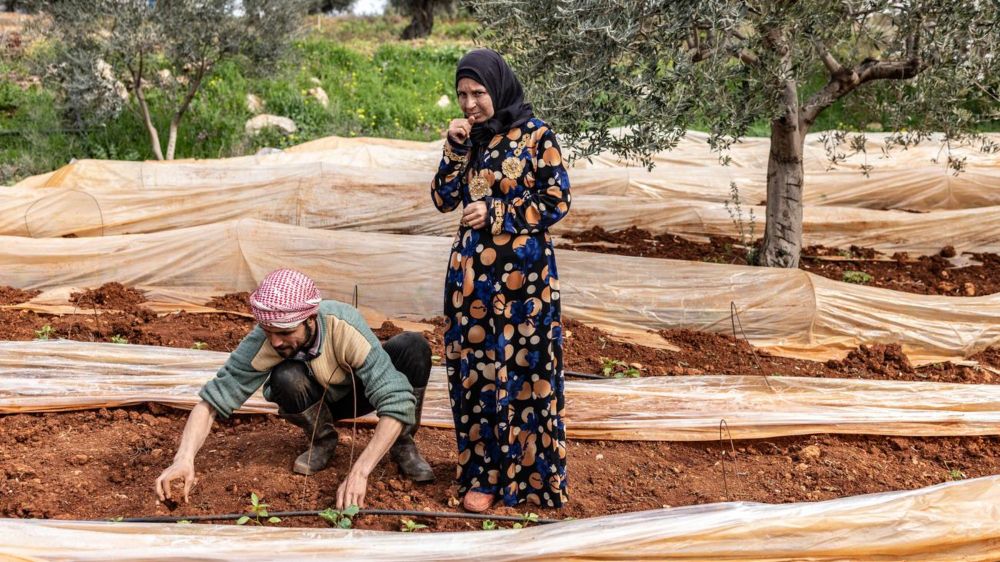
{"x":658,"y":68}
{"x":171,"y":46}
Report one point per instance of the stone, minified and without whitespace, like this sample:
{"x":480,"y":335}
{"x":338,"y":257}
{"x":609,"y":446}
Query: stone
{"x":969,"y":289}
{"x":443,"y":102}
{"x":257,"y":124}
{"x":320,"y":95}
{"x":946,"y":287}
{"x":810,"y":452}
{"x":20,"y":472}
{"x":254,"y":104}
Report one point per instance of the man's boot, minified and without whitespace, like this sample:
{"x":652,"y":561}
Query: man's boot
{"x":404,"y":451}
{"x":323,"y":441}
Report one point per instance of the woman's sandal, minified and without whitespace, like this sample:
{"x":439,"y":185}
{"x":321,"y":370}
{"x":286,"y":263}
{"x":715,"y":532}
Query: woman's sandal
{"x":478,"y":502}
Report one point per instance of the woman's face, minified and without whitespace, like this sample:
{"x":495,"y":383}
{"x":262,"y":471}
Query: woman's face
{"x":474,"y":100}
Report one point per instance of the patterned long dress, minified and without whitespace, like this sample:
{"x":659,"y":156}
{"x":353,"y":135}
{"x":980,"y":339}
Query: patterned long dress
{"x":503,"y":336}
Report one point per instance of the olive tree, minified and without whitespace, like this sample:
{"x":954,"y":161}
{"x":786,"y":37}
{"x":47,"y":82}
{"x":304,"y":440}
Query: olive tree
{"x":421,"y":13}
{"x":171,"y":46}
{"x":660,"y":67}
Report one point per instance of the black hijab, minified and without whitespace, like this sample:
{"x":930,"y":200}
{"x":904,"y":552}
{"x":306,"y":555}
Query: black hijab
{"x":487,"y":67}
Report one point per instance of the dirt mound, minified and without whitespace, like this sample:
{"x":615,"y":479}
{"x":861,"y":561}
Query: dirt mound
{"x":641,"y":243}
{"x":236,"y":302}
{"x":387,"y":330}
{"x":110,"y":296}
{"x":884,"y":359}
{"x":586,"y":349}
{"x":109,"y":458}
{"x":10,"y":295}
{"x":928,"y":275}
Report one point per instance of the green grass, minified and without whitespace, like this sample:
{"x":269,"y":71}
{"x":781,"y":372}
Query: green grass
{"x":383,"y":88}
{"x":377,"y":85}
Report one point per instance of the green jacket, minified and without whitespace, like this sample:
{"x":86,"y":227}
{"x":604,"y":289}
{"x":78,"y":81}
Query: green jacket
{"x":346,"y":344}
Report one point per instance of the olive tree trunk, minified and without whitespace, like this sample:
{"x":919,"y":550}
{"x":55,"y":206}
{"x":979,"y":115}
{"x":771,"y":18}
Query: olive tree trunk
{"x":783,"y":231}
{"x":422,"y":23}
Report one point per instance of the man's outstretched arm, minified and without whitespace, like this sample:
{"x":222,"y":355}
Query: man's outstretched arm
{"x":352,"y":490}
{"x":199,"y":425}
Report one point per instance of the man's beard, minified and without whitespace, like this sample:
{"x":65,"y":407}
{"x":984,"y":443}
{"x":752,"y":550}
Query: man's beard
{"x":289,"y":353}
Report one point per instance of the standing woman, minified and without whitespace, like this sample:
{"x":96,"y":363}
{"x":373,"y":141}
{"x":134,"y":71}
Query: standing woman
{"x":503,"y":333}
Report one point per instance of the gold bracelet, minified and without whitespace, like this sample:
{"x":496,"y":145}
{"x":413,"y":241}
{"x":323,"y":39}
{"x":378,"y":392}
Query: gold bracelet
{"x":497,"y":226}
{"x":453,"y":156}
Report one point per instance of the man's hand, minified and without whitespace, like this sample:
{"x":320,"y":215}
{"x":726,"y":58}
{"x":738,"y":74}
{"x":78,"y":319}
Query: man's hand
{"x":181,"y":469}
{"x":459,"y":130}
{"x":352,"y":490}
{"x":475,"y":215}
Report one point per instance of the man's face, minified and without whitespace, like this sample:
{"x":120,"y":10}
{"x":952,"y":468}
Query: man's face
{"x":288,"y":342}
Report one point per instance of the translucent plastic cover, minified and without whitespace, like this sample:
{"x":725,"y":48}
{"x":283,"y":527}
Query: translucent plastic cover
{"x":947,"y":522}
{"x":788,"y":311}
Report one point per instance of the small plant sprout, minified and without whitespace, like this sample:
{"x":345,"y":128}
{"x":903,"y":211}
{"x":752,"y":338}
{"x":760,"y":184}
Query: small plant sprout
{"x":956,"y":474}
{"x":408,"y":526}
{"x":489,"y":525}
{"x":45,"y":333}
{"x":118,"y":338}
{"x":184,"y":522}
{"x":745,"y":228}
{"x":857,"y":277}
{"x":199,"y":345}
{"x":618,"y":369}
{"x":121,"y":518}
{"x":340,"y":519}
{"x":526,"y":519}
{"x":258,"y":511}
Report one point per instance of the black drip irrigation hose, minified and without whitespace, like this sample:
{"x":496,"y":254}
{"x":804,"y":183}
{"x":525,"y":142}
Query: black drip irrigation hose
{"x":585,"y":375}
{"x":392,"y":512}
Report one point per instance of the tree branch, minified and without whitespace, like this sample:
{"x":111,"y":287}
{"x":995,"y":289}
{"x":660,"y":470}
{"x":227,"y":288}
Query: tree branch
{"x":890,"y":70}
{"x":714,"y":44}
{"x":849,"y":80}
{"x":193,"y":86}
{"x":831,"y":64}
{"x":154,"y":137}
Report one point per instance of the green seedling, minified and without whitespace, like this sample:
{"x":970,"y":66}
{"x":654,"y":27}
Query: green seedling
{"x":857,"y":277}
{"x":117,"y":338}
{"x":956,"y":474}
{"x":118,"y":519}
{"x":184,"y":522}
{"x":526,"y":519}
{"x":340,"y":519}
{"x":408,"y":526}
{"x":489,"y":525}
{"x":45,"y":333}
{"x":618,"y":369}
{"x":258,"y":512}
{"x":199,"y":345}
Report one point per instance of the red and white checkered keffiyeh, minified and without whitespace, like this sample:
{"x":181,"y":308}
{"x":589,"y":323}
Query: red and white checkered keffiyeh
{"x":284,"y":299}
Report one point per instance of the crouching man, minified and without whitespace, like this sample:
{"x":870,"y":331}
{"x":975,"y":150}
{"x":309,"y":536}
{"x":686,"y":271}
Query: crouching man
{"x":320,"y":362}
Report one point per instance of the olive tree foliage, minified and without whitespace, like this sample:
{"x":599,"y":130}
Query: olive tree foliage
{"x":657,"y":68}
{"x":170,"y":46}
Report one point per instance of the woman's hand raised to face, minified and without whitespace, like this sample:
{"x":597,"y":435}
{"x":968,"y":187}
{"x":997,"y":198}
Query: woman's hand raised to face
{"x":459,"y":130}
{"x":474,"y":215}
